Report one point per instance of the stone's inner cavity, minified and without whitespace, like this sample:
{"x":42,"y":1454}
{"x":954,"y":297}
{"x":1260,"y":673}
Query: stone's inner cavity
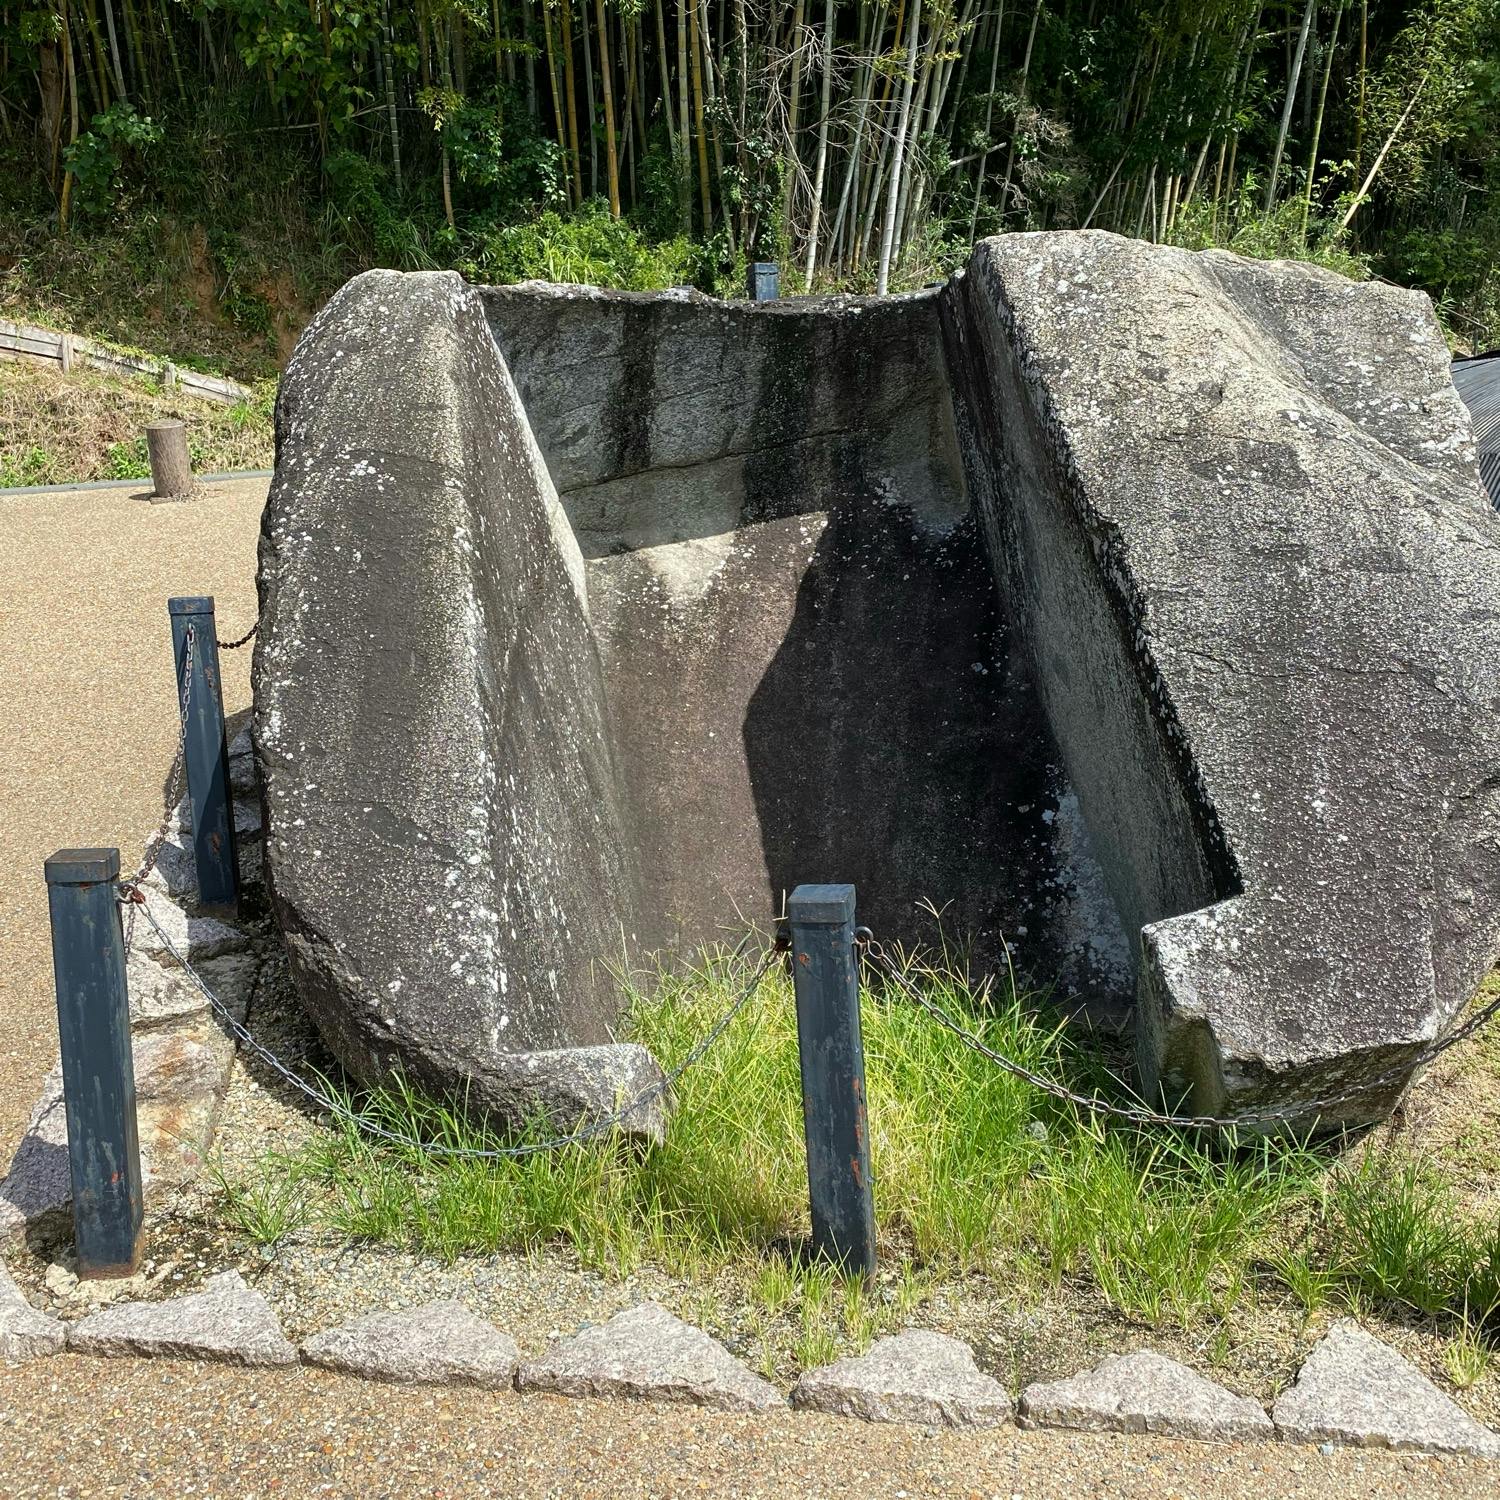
{"x":805,"y":672}
{"x":1136,"y":607}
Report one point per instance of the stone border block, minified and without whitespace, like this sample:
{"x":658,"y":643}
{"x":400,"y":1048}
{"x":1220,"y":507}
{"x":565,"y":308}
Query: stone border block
{"x":227,"y":1321}
{"x":441,"y":1343}
{"x":648,"y":1354}
{"x":1145,"y":1392}
{"x":915,"y":1376}
{"x":1355,"y":1390}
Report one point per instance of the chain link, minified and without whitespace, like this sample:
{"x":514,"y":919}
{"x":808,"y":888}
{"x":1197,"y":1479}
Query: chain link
{"x":132,"y":897}
{"x":340,"y":1111}
{"x":1140,"y":1114}
{"x":244,"y":640}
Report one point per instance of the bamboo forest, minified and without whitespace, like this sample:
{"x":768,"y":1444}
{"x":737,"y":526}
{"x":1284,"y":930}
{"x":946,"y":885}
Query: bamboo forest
{"x":863,"y":145}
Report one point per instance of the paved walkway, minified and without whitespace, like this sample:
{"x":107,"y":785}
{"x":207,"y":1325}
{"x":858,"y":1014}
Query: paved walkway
{"x":87,"y":725}
{"x":86,"y":705}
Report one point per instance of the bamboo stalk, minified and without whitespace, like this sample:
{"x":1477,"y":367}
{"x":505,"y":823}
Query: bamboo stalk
{"x":570,"y":90}
{"x":607,"y":88}
{"x":1317,"y":134}
{"x":888,"y":234}
{"x":695,"y":44}
{"x":1379,"y":162}
{"x":1291,"y":100}
{"x":821,"y":168}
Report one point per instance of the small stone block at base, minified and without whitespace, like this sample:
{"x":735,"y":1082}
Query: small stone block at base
{"x":1145,"y":1392}
{"x":442,"y":1343}
{"x":1355,"y":1390}
{"x":648,"y":1354}
{"x":916,"y":1376}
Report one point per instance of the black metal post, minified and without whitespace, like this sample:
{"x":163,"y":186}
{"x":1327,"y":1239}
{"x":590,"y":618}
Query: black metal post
{"x":207,"y":753}
{"x":764,"y":281}
{"x":93,"y":1024}
{"x":826,"y":979}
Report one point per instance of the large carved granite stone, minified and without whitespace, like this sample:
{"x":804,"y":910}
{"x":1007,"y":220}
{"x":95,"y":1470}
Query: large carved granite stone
{"x":1139,"y":609}
{"x":446,"y":848}
{"x":1234,"y":512}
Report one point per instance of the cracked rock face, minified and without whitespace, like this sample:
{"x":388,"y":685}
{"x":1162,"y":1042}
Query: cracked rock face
{"x":445,"y":851}
{"x":1235,"y":513}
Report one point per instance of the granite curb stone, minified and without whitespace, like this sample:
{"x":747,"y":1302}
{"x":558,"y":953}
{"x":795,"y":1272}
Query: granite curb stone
{"x":227,"y":1321}
{"x":440,"y":1343}
{"x":25,"y":1333}
{"x":646,"y":1353}
{"x":915,"y":1376}
{"x":1144,"y":1392}
{"x":1357,"y":1391}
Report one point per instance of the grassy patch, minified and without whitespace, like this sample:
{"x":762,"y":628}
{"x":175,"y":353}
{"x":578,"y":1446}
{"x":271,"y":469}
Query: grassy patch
{"x":58,"y":429}
{"x":977,"y":1175}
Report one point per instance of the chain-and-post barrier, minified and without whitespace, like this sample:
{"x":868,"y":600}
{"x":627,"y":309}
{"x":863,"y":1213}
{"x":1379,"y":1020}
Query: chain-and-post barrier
{"x":93,"y":1024}
{"x":825,"y":978}
{"x":1141,"y":1114}
{"x":205,"y":752}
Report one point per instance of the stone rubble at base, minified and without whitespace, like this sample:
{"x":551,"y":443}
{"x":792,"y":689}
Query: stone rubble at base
{"x":1352,"y":1390}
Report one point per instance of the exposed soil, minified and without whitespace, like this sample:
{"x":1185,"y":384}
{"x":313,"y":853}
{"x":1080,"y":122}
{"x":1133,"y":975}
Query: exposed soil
{"x":64,"y":429}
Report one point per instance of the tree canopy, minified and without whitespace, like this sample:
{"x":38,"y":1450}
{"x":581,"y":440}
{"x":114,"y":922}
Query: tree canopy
{"x":861,"y":143}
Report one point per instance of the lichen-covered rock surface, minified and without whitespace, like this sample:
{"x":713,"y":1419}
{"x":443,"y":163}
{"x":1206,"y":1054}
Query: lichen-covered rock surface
{"x":446,"y":849}
{"x":1138,"y":609}
{"x":1236,"y":517}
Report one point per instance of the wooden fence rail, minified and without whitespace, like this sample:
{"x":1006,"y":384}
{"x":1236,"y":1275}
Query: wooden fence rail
{"x":68,"y":350}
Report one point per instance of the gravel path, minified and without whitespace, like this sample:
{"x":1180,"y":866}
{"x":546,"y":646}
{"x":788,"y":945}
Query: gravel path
{"x":86,"y":704}
{"x":70,"y":1426}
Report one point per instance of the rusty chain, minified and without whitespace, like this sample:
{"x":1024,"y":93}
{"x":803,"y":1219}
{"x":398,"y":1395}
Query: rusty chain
{"x":875,"y":953}
{"x":244,"y":640}
{"x":341,"y":1111}
{"x":133,"y":898}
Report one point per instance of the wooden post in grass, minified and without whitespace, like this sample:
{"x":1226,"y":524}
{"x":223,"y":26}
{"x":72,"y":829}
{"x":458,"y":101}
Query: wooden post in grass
{"x":825,"y":976}
{"x":93,"y":1025}
{"x":171,"y":469}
